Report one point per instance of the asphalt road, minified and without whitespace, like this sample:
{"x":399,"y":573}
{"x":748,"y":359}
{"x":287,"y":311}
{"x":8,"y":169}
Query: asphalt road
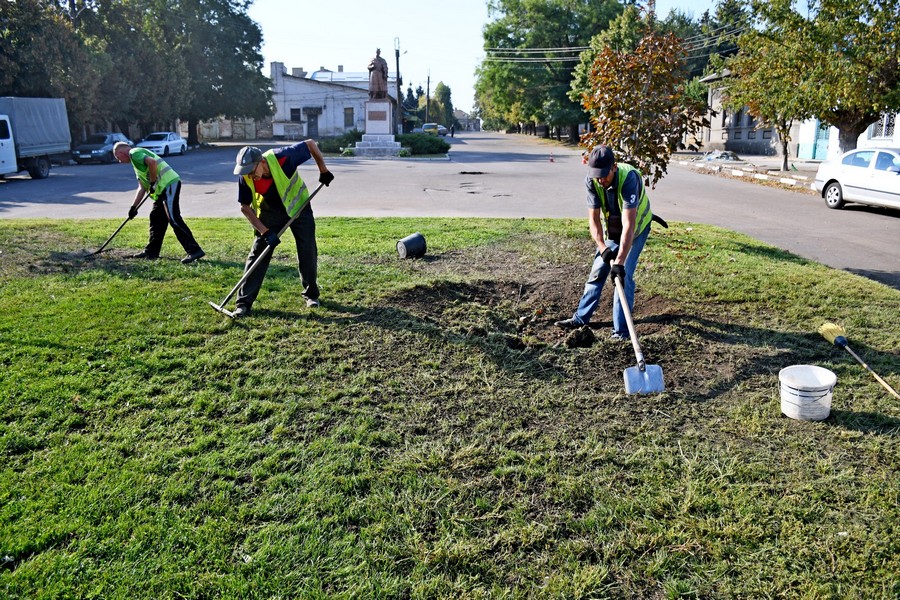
{"x":490,"y":175}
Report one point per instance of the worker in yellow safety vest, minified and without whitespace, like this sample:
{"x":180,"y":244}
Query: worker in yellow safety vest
{"x":159,"y":180}
{"x":271,"y":193}
{"x":619,"y":218}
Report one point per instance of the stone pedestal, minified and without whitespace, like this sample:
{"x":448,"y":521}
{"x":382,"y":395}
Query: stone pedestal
{"x":378,"y":140}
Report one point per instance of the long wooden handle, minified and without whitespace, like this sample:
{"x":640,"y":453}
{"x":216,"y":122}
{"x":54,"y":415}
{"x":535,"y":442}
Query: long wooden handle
{"x":634,"y":341}
{"x":874,"y":374}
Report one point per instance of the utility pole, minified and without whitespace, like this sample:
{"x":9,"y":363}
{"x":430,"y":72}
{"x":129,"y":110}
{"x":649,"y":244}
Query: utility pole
{"x":398,"y":121}
{"x":427,"y":95}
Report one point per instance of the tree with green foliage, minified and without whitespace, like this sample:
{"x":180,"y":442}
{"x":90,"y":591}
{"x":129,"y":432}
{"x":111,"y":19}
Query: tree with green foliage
{"x":848,"y":57}
{"x":768,"y":77}
{"x":442,"y":94}
{"x":220,"y":45}
{"x":638,"y":104}
{"x":532,"y":50}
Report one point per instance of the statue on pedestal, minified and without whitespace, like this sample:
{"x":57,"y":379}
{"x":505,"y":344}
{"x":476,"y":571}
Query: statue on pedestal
{"x":378,"y":76}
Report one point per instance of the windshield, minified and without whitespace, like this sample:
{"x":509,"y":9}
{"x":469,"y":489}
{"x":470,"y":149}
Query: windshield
{"x":97,"y":138}
{"x":156,"y":137}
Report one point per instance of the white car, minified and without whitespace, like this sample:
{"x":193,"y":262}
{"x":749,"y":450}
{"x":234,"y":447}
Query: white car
{"x":865,"y":175}
{"x":164,"y":143}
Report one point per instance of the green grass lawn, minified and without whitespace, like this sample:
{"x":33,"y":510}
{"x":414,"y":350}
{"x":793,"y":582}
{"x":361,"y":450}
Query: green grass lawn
{"x":427,"y":432}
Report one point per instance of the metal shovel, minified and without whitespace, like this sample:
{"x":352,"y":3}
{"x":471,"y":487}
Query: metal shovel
{"x":644,"y":378}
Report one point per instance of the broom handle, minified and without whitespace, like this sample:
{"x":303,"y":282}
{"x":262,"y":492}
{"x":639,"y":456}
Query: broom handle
{"x":874,"y":374}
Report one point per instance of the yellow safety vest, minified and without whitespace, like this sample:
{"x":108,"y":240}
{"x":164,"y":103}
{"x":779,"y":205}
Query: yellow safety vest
{"x":166,"y":174}
{"x":293,"y":192}
{"x":644,"y":215}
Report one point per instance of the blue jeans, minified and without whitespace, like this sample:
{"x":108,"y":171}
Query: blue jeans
{"x":599,"y":274}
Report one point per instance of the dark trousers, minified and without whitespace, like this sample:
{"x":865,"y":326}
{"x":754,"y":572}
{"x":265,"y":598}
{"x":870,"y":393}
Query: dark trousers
{"x":166,"y":211}
{"x":304,"y":232}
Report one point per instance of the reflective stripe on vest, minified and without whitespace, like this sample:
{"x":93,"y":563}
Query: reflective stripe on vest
{"x":644,"y":215}
{"x":165,"y":175}
{"x":293,"y":192}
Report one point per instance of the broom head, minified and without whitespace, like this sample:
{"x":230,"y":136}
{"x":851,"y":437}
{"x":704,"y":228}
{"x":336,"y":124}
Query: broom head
{"x":834,"y":334}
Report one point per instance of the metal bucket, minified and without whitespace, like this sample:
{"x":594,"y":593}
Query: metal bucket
{"x":412,"y":246}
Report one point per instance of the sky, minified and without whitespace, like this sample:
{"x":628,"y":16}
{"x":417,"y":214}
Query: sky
{"x":437,"y":40}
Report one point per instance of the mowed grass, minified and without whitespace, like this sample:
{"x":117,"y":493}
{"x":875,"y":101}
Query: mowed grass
{"x":377,"y":448}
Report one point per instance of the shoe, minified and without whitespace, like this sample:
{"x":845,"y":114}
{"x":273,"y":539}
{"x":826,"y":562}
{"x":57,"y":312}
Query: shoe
{"x":192,"y":257}
{"x":240,"y":312}
{"x":569,"y":324}
{"x":143,"y":254}
{"x":618,"y":337}
{"x":310,"y":303}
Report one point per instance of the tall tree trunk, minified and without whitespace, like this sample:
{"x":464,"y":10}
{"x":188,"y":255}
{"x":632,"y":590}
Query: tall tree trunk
{"x":193,"y":127}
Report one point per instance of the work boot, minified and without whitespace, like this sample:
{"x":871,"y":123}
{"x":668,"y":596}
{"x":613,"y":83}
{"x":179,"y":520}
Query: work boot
{"x":143,"y":254}
{"x":312,"y":303}
{"x":192,"y":257}
{"x":240,"y":312}
{"x":569,"y":324}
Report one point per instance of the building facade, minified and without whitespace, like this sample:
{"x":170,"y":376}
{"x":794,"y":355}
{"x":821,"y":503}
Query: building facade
{"x":321,"y":104}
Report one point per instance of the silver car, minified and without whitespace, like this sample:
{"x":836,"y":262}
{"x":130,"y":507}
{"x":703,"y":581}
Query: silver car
{"x":865,"y":175}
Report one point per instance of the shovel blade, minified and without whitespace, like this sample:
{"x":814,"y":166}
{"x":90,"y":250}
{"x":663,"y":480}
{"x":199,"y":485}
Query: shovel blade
{"x":647,"y":381}
{"x":224,"y":311}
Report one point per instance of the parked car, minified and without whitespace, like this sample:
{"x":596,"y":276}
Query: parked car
{"x":431,"y":128}
{"x":865,"y":175}
{"x":98,"y":147}
{"x":442,"y":130}
{"x":164,"y":143}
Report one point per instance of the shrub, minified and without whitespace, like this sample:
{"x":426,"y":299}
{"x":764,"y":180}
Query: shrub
{"x":423,"y":143}
{"x":337,"y":144}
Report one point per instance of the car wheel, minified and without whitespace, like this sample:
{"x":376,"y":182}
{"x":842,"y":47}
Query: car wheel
{"x":109,"y":158}
{"x":40,"y":169}
{"x":183,"y":149}
{"x":165,"y":150}
{"x":834,"y":197}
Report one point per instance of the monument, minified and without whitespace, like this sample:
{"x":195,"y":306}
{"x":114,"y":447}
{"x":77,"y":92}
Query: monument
{"x":378,"y":139}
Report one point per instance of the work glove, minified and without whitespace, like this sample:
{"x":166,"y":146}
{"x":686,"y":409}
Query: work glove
{"x":151,"y":188}
{"x":271,"y":238}
{"x":617,"y":271}
{"x":326,"y":178}
{"x":608,"y":255}
{"x":132,"y":212}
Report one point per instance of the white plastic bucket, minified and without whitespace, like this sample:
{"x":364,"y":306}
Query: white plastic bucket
{"x":806,"y":392}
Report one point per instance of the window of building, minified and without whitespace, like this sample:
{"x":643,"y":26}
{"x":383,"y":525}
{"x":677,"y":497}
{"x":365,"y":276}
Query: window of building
{"x":885,"y":126}
{"x":348,"y":118}
{"x":297,"y":115}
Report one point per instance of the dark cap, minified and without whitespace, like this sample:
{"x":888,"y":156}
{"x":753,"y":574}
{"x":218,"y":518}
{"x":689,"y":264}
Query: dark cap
{"x":600,"y":162}
{"x":247,"y":159}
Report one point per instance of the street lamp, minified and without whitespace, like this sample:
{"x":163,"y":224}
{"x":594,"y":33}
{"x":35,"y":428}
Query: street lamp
{"x":398,"y":120}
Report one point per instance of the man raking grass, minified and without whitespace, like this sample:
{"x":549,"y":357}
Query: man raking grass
{"x":274,"y":198}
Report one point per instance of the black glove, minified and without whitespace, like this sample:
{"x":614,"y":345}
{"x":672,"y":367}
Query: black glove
{"x":609,"y":255}
{"x":132,"y":212}
{"x":151,"y":188}
{"x":617,"y":271}
{"x":326,"y":178}
{"x":271,"y":238}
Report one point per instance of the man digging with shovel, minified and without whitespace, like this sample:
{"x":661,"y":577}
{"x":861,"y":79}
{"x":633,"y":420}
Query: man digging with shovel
{"x":619,"y":218}
{"x":271,"y":194}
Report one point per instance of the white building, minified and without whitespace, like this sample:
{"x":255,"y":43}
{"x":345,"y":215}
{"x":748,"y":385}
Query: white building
{"x":321,"y":104}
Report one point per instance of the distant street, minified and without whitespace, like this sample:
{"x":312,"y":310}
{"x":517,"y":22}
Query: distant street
{"x":490,"y":175}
